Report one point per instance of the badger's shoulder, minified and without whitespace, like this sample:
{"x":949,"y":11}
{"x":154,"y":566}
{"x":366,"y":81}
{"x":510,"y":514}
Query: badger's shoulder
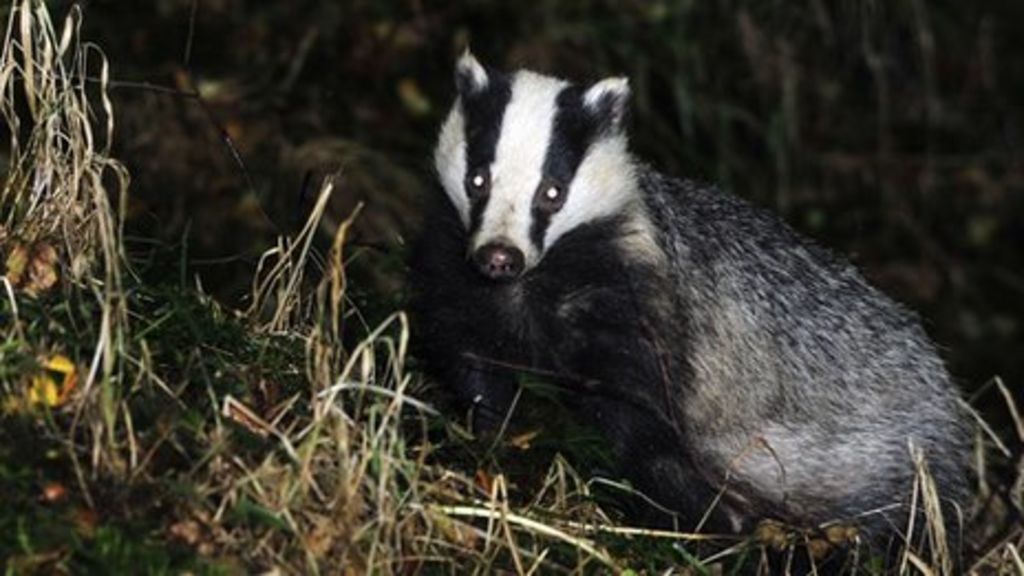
{"x":756,"y":289}
{"x":724,"y":243}
{"x":713,"y":225}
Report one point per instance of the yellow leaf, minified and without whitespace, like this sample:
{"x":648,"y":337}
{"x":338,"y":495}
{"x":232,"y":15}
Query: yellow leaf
{"x":63,"y":365}
{"x":60,"y":363}
{"x":43,"y":391}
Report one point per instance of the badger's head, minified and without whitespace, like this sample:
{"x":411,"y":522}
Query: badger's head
{"x":526,"y":158}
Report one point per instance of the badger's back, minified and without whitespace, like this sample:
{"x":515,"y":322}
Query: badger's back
{"x":808,"y":386}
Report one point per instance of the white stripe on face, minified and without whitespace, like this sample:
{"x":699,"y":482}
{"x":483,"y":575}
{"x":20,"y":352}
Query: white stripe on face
{"x":518,"y":163}
{"x":450,"y":161}
{"x":603,"y":184}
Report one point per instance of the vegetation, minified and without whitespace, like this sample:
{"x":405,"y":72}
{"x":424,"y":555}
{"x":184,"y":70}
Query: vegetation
{"x":203,"y":365}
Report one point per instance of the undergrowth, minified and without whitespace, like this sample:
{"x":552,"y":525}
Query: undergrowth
{"x":148,"y":429}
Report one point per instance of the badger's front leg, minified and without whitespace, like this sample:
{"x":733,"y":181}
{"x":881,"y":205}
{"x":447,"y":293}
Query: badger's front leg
{"x":485,"y":387}
{"x":631,"y":387}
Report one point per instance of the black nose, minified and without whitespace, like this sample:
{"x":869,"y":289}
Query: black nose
{"x":499,"y":262}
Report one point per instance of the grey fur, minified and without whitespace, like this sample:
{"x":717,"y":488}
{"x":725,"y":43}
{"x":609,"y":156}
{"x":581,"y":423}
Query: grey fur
{"x":808,"y":386}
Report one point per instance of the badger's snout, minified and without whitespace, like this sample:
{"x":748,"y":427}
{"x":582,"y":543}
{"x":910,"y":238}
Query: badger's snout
{"x":499,"y":262}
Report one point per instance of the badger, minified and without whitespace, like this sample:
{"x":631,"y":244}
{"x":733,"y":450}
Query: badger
{"x":738,"y":370}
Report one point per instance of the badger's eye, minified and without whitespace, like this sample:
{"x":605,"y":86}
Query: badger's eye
{"x":478,"y":182}
{"x":550,"y":196}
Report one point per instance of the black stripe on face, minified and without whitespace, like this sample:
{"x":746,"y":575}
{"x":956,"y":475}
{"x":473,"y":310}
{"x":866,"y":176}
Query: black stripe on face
{"x":574,"y":130}
{"x":482,"y":111}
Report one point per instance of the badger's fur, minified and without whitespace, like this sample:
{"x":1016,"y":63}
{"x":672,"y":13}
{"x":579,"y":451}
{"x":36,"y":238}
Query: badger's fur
{"x":715,"y":348}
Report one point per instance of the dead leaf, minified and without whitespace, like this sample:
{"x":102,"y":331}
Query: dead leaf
{"x":522,"y":441}
{"x":39,"y":563}
{"x":772,"y":534}
{"x":86,"y":520}
{"x":841,"y":533}
{"x":16,"y":264}
{"x":32,"y":268}
{"x":818,"y":548}
{"x":234,"y":129}
{"x":484,"y":480}
{"x":413,"y":98}
{"x":455,"y":531}
{"x":245,"y":417}
{"x":320,"y":539}
{"x":187,"y":531}
{"x":54,"y":492}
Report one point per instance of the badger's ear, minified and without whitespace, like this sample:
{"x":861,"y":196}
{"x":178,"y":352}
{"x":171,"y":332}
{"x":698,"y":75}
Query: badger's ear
{"x":470,"y":75}
{"x":608,"y":101}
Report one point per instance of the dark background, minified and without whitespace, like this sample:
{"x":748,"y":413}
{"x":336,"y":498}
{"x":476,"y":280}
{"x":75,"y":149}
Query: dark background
{"x":889,"y":131}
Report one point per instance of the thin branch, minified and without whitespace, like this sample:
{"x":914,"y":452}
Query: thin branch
{"x":186,"y":60}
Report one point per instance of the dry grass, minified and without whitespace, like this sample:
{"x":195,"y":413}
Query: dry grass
{"x":259,"y":440}
{"x":337,"y":480}
{"x":58,"y":190}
